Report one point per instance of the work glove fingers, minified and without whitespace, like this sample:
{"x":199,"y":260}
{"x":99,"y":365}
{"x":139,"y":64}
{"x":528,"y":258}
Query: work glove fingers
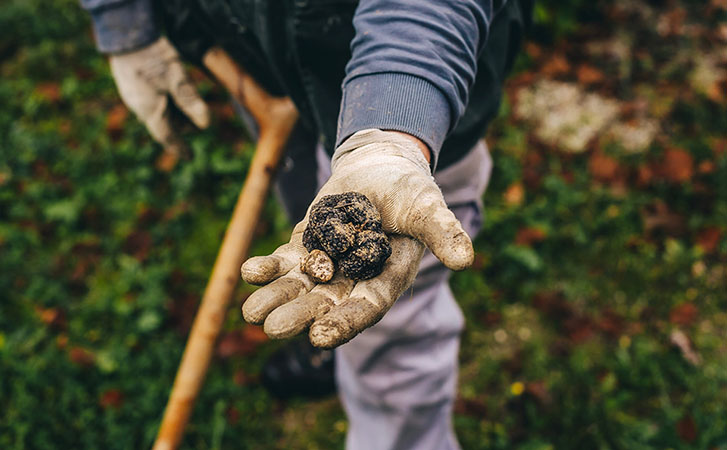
{"x":157,"y":122}
{"x":296,"y":316}
{"x":370,"y":299}
{"x":430,"y":221}
{"x":260,"y":270}
{"x":186,"y":96}
{"x":286,"y":288}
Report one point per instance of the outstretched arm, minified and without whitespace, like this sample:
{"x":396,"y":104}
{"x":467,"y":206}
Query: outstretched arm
{"x":406,"y":86}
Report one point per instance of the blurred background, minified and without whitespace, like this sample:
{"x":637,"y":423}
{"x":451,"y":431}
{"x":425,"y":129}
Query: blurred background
{"x":596,"y":308}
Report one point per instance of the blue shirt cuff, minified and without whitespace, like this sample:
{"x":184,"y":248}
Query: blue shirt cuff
{"x":398,"y":102}
{"x":124,"y":26}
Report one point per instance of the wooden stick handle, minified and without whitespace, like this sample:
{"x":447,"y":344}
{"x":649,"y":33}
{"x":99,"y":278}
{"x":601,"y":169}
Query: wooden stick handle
{"x":276,"y":118}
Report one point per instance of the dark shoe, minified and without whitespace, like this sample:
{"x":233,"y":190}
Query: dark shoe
{"x":299,"y":370}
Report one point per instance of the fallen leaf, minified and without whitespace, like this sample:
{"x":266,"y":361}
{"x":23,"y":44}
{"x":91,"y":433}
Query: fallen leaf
{"x":175,"y":211}
{"x":62,"y":341}
{"x":671,"y":23}
{"x":166,"y":161}
{"x":588,"y":74}
{"x":717,"y":92}
{"x":49,"y":91}
{"x":138,"y":243}
{"x":82,"y":268}
{"x":533,"y":50}
{"x":709,"y":238}
{"x":706,"y":167}
{"x":579,"y":328}
{"x":533,"y":169}
{"x":81,"y":356}
{"x":644,"y":176}
{"x":684,"y":314}
{"x":253,"y":333}
{"x":602,"y":167}
{"x":719,"y":146}
{"x":687,"y":429}
{"x":720,"y":32}
{"x":111,"y":398}
{"x":52,"y":317}
{"x":677,"y":166}
{"x":241,"y":342}
{"x":611,"y":323}
{"x":556,"y":65}
{"x":514,"y":194}
{"x":116,"y":118}
{"x":718,"y":4}
{"x":529,"y":235}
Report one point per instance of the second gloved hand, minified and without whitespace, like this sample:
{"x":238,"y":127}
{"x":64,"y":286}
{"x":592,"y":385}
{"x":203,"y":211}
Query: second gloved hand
{"x":391,"y":171}
{"x":146,"y":78}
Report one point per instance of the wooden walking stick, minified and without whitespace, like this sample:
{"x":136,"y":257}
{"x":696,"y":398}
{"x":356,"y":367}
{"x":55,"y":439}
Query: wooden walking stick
{"x":275,"y":117}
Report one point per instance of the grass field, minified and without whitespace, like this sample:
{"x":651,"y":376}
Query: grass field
{"x":596,"y":309}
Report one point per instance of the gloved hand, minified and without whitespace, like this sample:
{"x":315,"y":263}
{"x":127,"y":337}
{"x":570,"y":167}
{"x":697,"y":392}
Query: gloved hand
{"x":391,"y":171}
{"x":144,"y":78}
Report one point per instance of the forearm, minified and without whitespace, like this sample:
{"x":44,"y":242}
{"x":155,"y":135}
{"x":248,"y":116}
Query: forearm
{"x":122,"y":25}
{"x":412,"y":66}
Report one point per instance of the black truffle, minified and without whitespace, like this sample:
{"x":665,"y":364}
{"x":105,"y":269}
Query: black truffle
{"x":348,"y":228}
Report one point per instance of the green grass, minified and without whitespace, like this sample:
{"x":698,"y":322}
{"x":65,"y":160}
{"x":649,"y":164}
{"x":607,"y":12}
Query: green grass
{"x":568,"y":342}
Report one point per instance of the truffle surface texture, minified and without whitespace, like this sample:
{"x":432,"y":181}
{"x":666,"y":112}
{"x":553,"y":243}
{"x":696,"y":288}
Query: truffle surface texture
{"x":347,"y":227}
{"x":318,"y":265}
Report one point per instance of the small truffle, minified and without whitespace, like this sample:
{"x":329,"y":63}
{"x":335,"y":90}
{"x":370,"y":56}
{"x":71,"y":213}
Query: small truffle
{"x":347,"y":227}
{"x":318,"y":265}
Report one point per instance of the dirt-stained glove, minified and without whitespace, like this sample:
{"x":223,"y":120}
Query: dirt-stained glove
{"x":145,"y":78}
{"x":391,"y":171}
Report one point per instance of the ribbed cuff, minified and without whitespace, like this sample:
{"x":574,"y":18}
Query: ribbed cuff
{"x":398,"y":102}
{"x":124,"y":27}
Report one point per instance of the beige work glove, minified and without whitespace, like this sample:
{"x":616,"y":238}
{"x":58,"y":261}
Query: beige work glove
{"x":146,"y":78}
{"x":391,"y":171}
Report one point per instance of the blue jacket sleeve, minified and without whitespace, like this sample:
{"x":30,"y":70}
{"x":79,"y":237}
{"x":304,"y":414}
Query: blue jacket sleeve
{"x":412,"y":65}
{"x":122,"y":25}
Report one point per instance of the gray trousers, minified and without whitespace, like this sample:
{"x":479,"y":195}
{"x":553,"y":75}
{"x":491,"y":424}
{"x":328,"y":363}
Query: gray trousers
{"x":398,"y":379}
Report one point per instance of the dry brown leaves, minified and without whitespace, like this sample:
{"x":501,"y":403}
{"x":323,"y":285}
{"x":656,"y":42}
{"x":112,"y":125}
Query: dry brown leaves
{"x":684,"y":314}
{"x":111,"y":398}
{"x":50,"y":91}
{"x":677,"y":165}
{"x":687,"y":429}
{"x":528,"y":236}
{"x":709,"y":238}
{"x":115,"y":120}
{"x":514,"y":194}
